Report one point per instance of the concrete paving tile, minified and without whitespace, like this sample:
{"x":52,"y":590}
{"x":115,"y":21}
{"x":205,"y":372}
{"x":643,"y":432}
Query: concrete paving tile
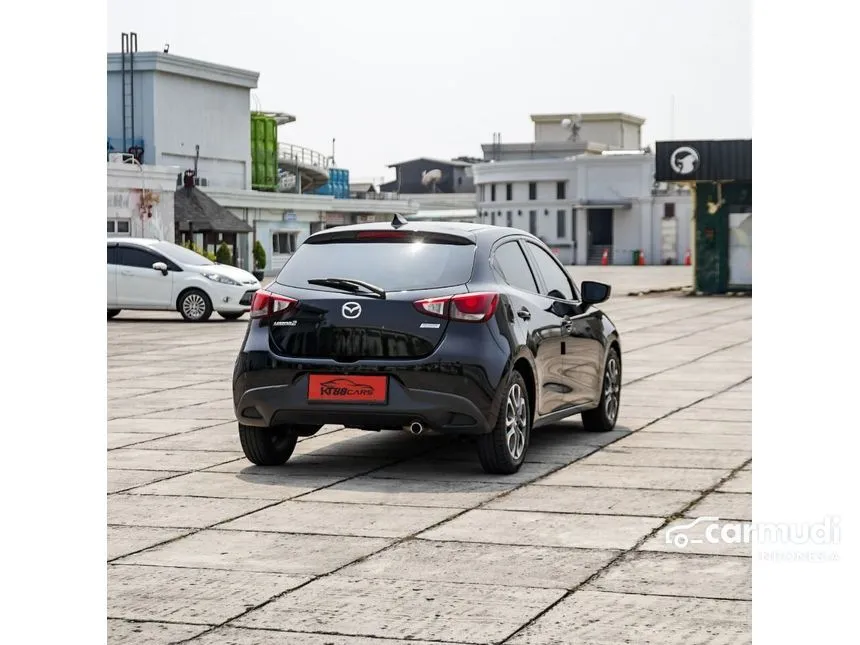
{"x":706,"y":537}
{"x":137,"y":459}
{"x":342,"y":519}
{"x":263,"y":552}
{"x":679,"y":574}
{"x":620,"y":455}
{"x":580,"y":474}
{"x":178,"y":512}
{"x":685,"y":440}
{"x":123,"y":632}
{"x":545,"y":529}
{"x":217,"y":438}
{"x":196,"y":412}
{"x":460,"y":471}
{"x":194,"y":596}
{"x":598,"y":501}
{"x":714,"y":414}
{"x":162,"y":426}
{"x":672,"y":424}
{"x":741,"y":482}
{"x":247,"y":636}
{"x":122,"y":540}
{"x":404,"y":492}
{"x":488,"y":564}
{"x":239,"y":486}
{"x":726,"y":506}
{"x":121,"y":439}
{"x":306,"y":465}
{"x":118,"y":480}
{"x":405,"y":609}
{"x":602,"y":618}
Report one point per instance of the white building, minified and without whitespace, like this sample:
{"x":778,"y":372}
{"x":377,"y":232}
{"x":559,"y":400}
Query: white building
{"x":585,"y":196}
{"x":194,"y":115}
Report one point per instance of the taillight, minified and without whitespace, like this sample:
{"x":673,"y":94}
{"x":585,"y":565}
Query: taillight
{"x":466,"y":307}
{"x":265,"y":303}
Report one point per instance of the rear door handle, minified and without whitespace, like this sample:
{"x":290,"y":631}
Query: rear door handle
{"x":126,"y":273}
{"x":524,"y":313}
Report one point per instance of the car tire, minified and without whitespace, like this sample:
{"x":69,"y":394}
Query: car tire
{"x":603,"y":417}
{"x":267,"y":446}
{"x":231,"y":315}
{"x":503,"y":450}
{"x":113,"y":312}
{"x":195,"y":306}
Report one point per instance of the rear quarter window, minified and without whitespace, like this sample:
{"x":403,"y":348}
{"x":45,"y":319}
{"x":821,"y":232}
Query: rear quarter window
{"x":393,"y":266}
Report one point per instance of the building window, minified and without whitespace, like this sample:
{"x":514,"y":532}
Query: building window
{"x":533,"y":222}
{"x":532,"y":190}
{"x":560,"y":223}
{"x":560,"y":189}
{"x":118,"y":226}
{"x":509,"y":192}
{"x":284,"y":243}
{"x":668,"y":210}
{"x":492,"y":192}
{"x":510,"y":216}
{"x":493,"y":218}
{"x":459,"y":181}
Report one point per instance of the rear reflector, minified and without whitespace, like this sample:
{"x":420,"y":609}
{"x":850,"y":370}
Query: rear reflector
{"x":466,"y":307}
{"x":265,"y":303}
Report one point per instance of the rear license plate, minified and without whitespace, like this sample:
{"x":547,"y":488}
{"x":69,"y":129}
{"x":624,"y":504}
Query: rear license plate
{"x":333,"y":388}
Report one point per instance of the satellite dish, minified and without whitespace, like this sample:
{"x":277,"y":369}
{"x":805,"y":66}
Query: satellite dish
{"x":573,"y":124}
{"x":431,"y":178}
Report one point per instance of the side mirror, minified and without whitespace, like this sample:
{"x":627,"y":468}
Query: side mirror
{"x":594,"y":293}
{"x":160,"y":266}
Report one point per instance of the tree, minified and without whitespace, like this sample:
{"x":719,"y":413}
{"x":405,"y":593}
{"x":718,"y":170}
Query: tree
{"x":223,"y":254}
{"x":259,"y":256}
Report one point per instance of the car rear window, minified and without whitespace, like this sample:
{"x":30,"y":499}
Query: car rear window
{"x":393,"y":266}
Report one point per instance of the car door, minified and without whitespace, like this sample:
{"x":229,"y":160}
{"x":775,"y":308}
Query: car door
{"x":112,"y":254}
{"x":535,"y":322}
{"x":582,"y":346}
{"x":138,"y":284}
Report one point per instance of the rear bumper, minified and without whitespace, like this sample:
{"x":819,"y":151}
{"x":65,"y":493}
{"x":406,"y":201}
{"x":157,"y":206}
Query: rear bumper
{"x":440,"y":411}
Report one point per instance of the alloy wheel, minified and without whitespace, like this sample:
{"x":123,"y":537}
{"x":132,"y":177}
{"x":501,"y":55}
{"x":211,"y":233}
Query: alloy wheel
{"x":515,"y":422}
{"x":611,"y":388}
{"x":194,"y":306}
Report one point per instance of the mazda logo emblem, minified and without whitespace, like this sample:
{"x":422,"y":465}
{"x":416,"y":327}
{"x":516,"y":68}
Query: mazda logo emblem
{"x":351,"y":310}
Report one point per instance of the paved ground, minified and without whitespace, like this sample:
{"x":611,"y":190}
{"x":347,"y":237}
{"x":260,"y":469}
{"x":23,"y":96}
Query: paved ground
{"x":384,"y":538}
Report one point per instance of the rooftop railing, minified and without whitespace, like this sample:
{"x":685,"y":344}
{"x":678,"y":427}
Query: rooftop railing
{"x":292,"y":154}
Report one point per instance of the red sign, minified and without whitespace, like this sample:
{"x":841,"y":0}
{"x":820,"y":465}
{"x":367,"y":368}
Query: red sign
{"x":335,"y":388}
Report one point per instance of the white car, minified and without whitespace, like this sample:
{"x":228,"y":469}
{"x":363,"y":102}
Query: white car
{"x":146,"y":274}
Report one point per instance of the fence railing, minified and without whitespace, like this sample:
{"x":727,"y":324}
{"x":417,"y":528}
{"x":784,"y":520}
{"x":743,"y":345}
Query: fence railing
{"x":289,"y":153}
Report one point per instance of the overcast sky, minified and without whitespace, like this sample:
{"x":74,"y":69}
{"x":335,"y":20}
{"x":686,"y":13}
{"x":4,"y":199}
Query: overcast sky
{"x":393,"y":80}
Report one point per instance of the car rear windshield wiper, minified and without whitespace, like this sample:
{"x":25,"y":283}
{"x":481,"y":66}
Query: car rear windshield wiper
{"x":348,"y":284}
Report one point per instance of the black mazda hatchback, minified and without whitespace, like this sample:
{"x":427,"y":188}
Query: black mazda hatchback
{"x":447,"y":327}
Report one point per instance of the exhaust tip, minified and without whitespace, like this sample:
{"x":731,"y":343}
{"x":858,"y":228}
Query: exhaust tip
{"x":416,"y":428}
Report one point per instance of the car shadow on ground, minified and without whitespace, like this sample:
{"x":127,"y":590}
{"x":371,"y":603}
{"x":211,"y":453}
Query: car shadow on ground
{"x":395,"y":462}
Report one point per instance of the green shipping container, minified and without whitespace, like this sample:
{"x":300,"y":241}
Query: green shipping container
{"x":264,"y":153}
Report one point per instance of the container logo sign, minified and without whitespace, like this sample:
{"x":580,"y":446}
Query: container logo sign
{"x":684,"y":160}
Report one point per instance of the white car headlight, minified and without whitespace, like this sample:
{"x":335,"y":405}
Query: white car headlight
{"x":223,"y":279}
